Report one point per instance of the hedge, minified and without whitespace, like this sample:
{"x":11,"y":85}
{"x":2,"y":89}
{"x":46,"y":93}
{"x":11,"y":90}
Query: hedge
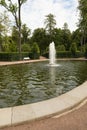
{"x":66,"y":54}
{"x":14,"y":56}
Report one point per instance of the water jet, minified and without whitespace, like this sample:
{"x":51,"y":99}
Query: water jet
{"x":52,"y":55}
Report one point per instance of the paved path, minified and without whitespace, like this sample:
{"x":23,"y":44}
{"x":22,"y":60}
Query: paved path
{"x":74,"y":120}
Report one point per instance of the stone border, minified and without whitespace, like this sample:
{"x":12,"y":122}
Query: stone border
{"x":19,"y":114}
{"x":4,"y":63}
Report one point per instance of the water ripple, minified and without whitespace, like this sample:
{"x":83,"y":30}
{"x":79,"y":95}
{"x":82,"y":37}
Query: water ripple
{"x":28,"y":83}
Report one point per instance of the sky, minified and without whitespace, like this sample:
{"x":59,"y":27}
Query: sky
{"x":34,"y":13}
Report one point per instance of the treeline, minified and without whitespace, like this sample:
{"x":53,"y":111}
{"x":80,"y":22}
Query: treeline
{"x":40,"y":39}
{"x":68,"y":44}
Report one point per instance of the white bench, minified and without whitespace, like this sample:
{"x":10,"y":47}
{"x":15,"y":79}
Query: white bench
{"x":26,"y":58}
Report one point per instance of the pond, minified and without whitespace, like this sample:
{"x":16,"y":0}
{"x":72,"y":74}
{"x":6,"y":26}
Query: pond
{"x":33,"y":82}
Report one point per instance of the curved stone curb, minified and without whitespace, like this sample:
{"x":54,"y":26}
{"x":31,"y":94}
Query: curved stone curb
{"x":5,"y":63}
{"x":58,"y":105}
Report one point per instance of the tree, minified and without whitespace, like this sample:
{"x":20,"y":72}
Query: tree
{"x":57,"y":36}
{"x":73,"y":49}
{"x":66,"y":36}
{"x":83,"y":20}
{"x":40,"y":37}
{"x":25,"y":48}
{"x":14,"y":34}
{"x":4,"y":27}
{"x":76,"y":37}
{"x":60,"y":48}
{"x":15,"y":8}
{"x":35,"y":51}
{"x":65,"y":26}
{"x":25,"y":31}
{"x":5,"y":23}
{"x":86,"y":50}
{"x":9,"y":45}
{"x":50,"y":23}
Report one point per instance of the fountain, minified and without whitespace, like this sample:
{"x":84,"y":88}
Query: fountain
{"x":39,"y":81}
{"x":52,"y":55}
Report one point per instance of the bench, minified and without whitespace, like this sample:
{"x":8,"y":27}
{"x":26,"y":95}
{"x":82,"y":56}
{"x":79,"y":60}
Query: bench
{"x":26,"y":58}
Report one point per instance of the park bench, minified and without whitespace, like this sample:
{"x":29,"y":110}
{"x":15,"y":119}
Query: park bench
{"x":26,"y":58}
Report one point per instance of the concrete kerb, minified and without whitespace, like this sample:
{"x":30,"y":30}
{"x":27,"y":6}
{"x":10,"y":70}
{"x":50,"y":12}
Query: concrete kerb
{"x":47,"y":108}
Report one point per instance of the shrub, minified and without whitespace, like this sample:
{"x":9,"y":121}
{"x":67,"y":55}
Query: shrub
{"x":65,"y":54}
{"x":60,"y":48}
{"x":86,"y":50}
{"x":73,"y":49}
{"x":35,"y":51}
{"x":12,"y":56}
{"x":25,"y":47}
{"x":9,"y":47}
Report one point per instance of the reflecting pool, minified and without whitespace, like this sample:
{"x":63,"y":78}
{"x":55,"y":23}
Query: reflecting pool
{"x":33,"y":82}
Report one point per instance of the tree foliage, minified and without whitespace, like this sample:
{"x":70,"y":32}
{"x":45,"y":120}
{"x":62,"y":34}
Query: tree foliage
{"x":50,"y":23}
{"x":5,"y":23}
{"x":25,"y":31}
{"x":83,"y":20}
{"x":25,"y":48}
{"x":66,"y":36}
{"x":73,"y":49}
{"x":40,"y":39}
{"x":15,"y":9}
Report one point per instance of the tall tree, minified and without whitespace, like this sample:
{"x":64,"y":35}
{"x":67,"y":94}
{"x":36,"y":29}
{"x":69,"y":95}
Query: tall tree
{"x":58,"y":36}
{"x":66,"y":36}
{"x":76,"y":37}
{"x":40,"y":37}
{"x":25,"y":31}
{"x":15,"y":36}
{"x":83,"y":20}
{"x":15,"y":9}
{"x":5,"y":23}
{"x":4,"y":27}
{"x":50,"y":23}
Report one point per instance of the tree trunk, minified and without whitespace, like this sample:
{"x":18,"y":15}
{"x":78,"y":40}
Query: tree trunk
{"x":19,"y":18}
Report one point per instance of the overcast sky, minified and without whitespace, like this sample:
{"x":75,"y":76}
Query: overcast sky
{"x":34,"y":12}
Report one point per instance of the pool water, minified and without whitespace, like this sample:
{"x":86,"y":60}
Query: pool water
{"x":33,"y":82}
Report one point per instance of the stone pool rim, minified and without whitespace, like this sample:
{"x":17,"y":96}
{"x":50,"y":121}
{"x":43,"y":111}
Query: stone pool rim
{"x":19,"y":114}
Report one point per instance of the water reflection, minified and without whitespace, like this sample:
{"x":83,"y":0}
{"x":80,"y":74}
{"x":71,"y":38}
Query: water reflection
{"x":52,"y":71}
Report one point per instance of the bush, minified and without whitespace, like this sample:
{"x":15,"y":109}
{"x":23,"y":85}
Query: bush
{"x":86,"y":51}
{"x":65,"y":54}
{"x":35,"y":51}
{"x":60,"y":48}
{"x":25,"y":47}
{"x":82,"y":48}
{"x":68,"y":54}
{"x":73,"y":49}
{"x":9,"y":47}
{"x":13,"y":56}
{"x":5,"y":56}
